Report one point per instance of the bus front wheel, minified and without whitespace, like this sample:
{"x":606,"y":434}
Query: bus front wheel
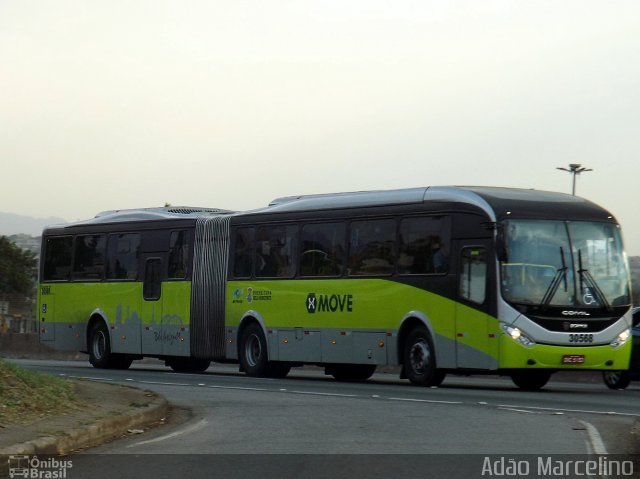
{"x":420,"y":359}
{"x":99,"y":346}
{"x":616,"y":379}
{"x":100,"y":355}
{"x":530,"y":379}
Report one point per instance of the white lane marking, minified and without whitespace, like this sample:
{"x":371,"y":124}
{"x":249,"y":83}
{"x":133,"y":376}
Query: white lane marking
{"x":237,"y":388}
{"x":516,"y":410}
{"x":199,"y":425}
{"x":585,"y":411}
{"x":426,"y":400}
{"x":596,"y":439}
{"x":164,"y":384}
{"x":312,"y":393}
{"x":91,"y":378}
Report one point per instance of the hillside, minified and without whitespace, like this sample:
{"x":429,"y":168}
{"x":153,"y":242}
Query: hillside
{"x":11,"y":224}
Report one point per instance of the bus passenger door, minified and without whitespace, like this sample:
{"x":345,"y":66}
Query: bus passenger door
{"x":151,"y":309}
{"x":474,"y":343}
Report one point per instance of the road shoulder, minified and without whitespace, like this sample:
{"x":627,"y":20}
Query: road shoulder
{"x":108,"y":412}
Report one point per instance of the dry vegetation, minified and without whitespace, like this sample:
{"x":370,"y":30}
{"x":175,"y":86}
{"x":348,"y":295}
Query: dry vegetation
{"x":26,"y":396}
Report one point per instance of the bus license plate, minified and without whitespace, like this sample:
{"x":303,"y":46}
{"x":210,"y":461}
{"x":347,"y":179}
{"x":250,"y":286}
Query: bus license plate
{"x":573,"y":359}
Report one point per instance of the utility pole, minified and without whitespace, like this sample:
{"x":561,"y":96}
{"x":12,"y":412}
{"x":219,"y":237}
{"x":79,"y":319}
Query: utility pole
{"x":575,"y":169}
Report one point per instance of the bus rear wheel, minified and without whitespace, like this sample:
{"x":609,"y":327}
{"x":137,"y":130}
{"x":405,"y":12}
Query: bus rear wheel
{"x":253,"y":351}
{"x":530,"y":379}
{"x":420,"y":359}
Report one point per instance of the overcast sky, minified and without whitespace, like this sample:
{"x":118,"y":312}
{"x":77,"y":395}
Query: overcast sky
{"x":134,"y":103}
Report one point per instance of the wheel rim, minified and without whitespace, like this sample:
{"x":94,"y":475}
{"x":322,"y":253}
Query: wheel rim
{"x":253,"y":350}
{"x":420,"y":356}
{"x":612,"y":377}
{"x":99,"y":344}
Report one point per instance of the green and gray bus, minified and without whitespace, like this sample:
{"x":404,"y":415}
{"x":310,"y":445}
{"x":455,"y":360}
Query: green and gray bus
{"x":435,"y":280}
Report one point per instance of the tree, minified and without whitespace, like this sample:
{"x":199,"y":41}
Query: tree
{"x":17,"y":268}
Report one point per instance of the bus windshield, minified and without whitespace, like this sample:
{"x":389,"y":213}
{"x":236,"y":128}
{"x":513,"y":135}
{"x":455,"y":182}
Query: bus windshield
{"x":563,"y":263}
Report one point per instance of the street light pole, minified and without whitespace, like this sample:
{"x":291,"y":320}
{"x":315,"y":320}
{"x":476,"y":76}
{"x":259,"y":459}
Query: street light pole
{"x":575,"y":169}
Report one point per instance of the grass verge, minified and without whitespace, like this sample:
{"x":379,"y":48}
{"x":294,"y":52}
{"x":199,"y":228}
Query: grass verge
{"x":26,"y":396}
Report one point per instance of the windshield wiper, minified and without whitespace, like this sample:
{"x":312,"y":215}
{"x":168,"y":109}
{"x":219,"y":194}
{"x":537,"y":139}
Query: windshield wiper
{"x":561,"y":274}
{"x":585,"y":276}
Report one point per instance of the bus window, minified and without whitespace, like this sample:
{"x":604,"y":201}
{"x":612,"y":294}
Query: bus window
{"x":424,"y":245}
{"x":473,"y":274}
{"x":88,"y":262}
{"x":243,"y":259}
{"x":122,"y":256}
{"x":372,"y":247}
{"x":323,"y":249}
{"x":57,"y":260}
{"x":152,"y":287}
{"x":275,"y":246}
{"x":178,"y":254}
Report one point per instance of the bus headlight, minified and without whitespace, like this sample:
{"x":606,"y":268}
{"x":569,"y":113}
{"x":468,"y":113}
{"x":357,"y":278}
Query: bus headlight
{"x":622,"y":338}
{"x":518,"y":336}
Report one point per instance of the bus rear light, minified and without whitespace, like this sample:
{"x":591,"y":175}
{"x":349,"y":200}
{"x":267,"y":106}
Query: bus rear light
{"x":622,"y":338}
{"x":381,"y":344}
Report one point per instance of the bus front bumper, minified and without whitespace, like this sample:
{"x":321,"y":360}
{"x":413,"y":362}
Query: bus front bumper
{"x":544,"y":356}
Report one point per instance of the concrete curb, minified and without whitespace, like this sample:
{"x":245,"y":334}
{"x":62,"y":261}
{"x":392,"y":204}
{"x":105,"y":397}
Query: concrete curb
{"x":88,"y":436}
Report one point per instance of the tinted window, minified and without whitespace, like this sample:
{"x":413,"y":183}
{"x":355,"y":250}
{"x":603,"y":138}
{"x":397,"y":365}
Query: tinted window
{"x":57,"y":259}
{"x":424,"y":245}
{"x":152,"y":287}
{"x":88,"y":262}
{"x":473,"y":274}
{"x":243,"y":258}
{"x":372,"y":247}
{"x":323,"y":249}
{"x":122,"y":256}
{"x":275,"y":246}
{"x":178,"y":254}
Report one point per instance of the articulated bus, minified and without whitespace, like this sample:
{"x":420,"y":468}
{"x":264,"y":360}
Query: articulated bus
{"x":436,"y":280}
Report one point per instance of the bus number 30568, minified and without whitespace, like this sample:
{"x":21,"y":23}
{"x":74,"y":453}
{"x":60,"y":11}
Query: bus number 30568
{"x":581,"y":338}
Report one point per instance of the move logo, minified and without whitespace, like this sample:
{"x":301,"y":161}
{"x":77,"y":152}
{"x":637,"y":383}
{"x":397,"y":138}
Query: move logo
{"x":329,"y":303}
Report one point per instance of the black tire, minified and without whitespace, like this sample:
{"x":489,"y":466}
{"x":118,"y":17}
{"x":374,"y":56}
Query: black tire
{"x":188,"y":365}
{"x":100,"y":355}
{"x":277,"y":370}
{"x":351,"y":372}
{"x":616,"y":379}
{"x":420,"y":359}
{"x":530,"y":379}
{"x":99,"y":346}
{"x":253,"y":351}
{"x":120,"y":361}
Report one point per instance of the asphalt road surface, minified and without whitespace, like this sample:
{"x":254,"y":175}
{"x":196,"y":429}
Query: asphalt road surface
{"x":226,"y":424}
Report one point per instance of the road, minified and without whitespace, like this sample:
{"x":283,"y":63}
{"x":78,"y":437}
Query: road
{"x":308,"y":420}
